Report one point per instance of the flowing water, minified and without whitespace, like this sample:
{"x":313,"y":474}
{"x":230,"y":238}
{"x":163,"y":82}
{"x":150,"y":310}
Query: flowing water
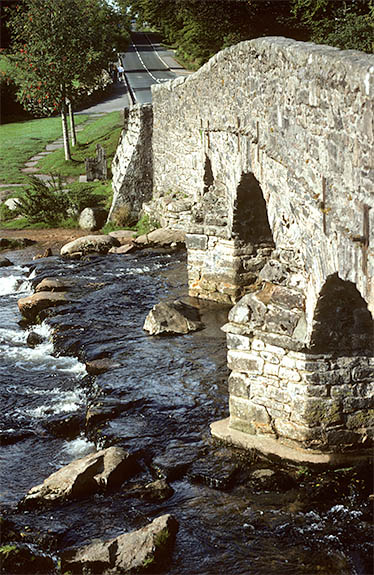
{"x":156,"y":400}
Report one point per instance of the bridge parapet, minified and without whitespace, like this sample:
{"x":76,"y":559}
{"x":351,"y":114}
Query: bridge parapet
{"x":265,"y":158}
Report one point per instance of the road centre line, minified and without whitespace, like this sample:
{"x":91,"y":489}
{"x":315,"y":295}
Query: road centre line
{"x":145,"y":67}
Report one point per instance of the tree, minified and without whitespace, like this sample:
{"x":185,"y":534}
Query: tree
{"x":201,"y":28}
{"x":346,"y":24}
{"x":59,"y":48}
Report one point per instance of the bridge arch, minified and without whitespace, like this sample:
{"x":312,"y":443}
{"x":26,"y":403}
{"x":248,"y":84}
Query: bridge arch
{"x":342,"y":323}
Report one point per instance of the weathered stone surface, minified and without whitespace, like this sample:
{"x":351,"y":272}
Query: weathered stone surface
{"x":124,"y":249}
{"x":12,"y":204}
{"x":96,"y":168}
{"x":164,"y":237}
{"x":46,"y":254}
{"x":4,"y":262}
{"x":96,"y":472}
{"x":92,"y":219}
{"x":52,"y":284}
{"x":172,"y":318}
{"x":32,"y":305}
{"x":34,"y":339}
{"x":89,"y":244}
{"x":132,"y":164}
{"x":138,"y":551}
{"x":123,"y":236}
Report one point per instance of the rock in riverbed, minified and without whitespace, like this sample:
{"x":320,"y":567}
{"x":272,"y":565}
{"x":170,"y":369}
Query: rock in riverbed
{"x":163,"y":237}
{"x":52,"y":284}
{"x":32,"y":305}
{"x":89,"y":244}
{"x":4,"y":262}
{"x":174,"y":317}
{"x":95,"y":472}
{"x":137,"y":552}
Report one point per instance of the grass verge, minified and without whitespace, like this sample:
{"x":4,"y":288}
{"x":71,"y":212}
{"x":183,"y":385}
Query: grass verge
{"x":105,"y":131}
{"x":19,"y":141}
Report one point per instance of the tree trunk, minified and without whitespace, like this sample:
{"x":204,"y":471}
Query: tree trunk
{"x":65,"y":132}
{"x":72,"y":125}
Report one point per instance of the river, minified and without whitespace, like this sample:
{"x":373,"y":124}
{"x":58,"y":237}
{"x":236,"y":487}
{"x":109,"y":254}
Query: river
{"x":237,"y":514}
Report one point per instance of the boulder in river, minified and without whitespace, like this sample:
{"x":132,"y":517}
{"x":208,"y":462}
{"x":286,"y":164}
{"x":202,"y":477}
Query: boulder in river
{"x":52,"y":284}
{"x":4,"y":262}
{"x":144,"y":550}
{"x":125,"y":237}
{"x":163,"y":237}
{"x":99,"y":244}
{"x":92,"y":219}
{"x":98,"y":471}
{"x":34,"y":339}
{"x":32,"y":305}
{"x":174,"y":317}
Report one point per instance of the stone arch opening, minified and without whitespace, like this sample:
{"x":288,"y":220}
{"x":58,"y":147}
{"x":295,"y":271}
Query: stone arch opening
{"x":342,"y":322}
{"x":250,"y":218}
{"x":208,"y":175}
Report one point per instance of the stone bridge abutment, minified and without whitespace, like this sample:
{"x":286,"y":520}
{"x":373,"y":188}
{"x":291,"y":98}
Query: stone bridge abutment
{"x":265,"y":158}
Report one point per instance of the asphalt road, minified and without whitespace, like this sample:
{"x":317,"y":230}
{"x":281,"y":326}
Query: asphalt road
{"x":147,"y":63}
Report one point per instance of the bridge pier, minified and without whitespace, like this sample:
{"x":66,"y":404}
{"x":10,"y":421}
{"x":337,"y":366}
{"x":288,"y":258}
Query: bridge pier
{"x":285,"y":399}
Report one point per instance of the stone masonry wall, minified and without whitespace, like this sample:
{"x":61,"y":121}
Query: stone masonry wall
{"x":132,"y":164}
{"x":319,"y":401}
{"x":265,"y":158}
{"x":299,"y":118}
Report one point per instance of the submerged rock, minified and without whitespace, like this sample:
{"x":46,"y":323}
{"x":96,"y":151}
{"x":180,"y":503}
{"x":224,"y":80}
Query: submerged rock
{"x":89,"y":244}
{"x":96,"y":472}
{"x":68,"y":425}
{"x":172,"y":318}
{"x":32,"y":305}
{"x":158,"y":490}
{"x":139,"y":551}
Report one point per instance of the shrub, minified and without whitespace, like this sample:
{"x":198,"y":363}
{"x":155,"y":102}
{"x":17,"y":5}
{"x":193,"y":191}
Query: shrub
{"x":50,"y":203}
{"x":44,"y":202}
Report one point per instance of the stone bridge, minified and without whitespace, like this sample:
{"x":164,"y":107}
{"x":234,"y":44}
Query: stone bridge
{"x":265,"y":157}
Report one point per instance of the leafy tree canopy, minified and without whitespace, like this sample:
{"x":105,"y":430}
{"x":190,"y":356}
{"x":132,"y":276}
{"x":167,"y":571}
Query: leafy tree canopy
{"x":199,"y":28}
{"x":58,"y":47}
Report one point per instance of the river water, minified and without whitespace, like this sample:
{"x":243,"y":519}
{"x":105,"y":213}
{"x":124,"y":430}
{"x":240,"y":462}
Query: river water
{"x":156,"y":400}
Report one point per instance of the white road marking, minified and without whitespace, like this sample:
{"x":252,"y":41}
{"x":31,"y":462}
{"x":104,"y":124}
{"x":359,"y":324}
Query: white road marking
{"x":144,"y":66}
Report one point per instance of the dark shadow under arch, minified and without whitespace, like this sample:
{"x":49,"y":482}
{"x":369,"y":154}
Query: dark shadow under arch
{"x":342,"y":322}
{"x":250,"y":218}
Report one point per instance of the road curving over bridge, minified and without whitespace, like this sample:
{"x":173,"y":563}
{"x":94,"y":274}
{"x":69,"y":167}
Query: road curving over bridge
{"x":265,"y":156}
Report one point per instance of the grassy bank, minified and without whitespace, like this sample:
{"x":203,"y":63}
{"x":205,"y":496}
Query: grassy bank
{"x":104,"y":131}
{"x":19,"y":141}
{"x":56,"y":203}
